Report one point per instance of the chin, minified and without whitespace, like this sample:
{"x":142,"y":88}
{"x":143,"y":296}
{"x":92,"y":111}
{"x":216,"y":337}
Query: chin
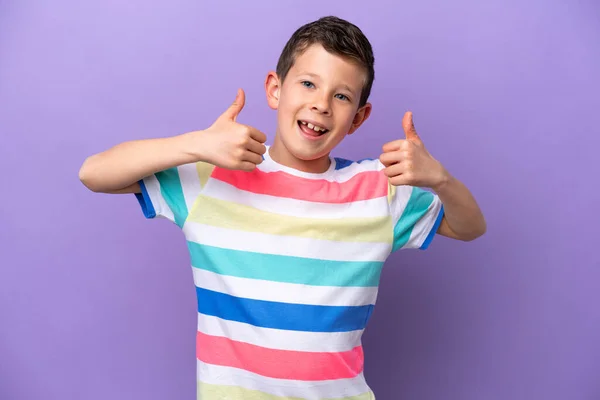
{"x":309,"y":155}
{"x":307,"y":151}
{"x":302,"y":152}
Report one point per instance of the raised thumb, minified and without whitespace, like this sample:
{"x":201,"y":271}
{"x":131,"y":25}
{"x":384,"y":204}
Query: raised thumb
{"x":409,"y":127}
{"x":236,"y":107}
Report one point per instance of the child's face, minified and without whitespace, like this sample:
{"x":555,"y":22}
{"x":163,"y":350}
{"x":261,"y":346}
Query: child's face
{"x":321,"y":89}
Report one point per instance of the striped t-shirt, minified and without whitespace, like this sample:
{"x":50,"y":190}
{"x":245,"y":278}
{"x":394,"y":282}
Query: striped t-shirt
{"x":286,"y":266}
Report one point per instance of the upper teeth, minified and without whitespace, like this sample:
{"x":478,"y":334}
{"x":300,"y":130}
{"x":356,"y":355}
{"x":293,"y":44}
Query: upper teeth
{"x":313,"y":127}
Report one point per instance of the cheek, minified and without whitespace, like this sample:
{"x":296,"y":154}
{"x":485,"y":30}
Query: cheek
{"x":344,"y":118}
{"x":289,"y":101}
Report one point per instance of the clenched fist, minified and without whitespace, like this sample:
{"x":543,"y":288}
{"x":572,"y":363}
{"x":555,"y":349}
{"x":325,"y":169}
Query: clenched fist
{"x":408,"y":162}
{"x":229,"y":144}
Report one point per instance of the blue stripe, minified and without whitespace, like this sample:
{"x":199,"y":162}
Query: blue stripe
{"x":284,"y":316}
{"x":341,"y":163}
{"x":145,"y":201}
{"x":433,"y":230}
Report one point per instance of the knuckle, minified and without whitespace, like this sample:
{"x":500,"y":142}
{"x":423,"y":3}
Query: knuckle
{"x":238,"y":153}
{"x":242,"y":140}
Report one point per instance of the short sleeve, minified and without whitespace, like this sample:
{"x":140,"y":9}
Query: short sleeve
{"x":171,"y":193}
{"x":416,"y":216}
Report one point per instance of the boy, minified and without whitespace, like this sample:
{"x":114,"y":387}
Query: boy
{"x":286,"y":242}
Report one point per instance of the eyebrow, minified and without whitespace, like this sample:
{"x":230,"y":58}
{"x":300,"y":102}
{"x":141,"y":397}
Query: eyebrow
{"x":345,"y":86}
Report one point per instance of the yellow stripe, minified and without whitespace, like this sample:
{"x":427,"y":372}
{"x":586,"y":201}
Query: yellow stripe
{"x":207,"y":391}
{"x":391,"y":193}
{"x":204,"y":171}
{"x":230,"y":215}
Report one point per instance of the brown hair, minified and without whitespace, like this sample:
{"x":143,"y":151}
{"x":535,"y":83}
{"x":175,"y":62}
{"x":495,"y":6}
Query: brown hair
{"x":337,"y":36}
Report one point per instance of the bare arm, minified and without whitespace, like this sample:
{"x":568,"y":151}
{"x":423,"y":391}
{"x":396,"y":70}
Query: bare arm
{"x":226,"y":143}
{"x":408,"y":162}
{"x":463,"y":220}
{"x":118,"y":169}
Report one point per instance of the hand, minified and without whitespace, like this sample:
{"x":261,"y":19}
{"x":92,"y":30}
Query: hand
{"x":407,"y":161}
{"x":229,"y":144}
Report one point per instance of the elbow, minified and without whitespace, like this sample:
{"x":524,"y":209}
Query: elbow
{"x":479,"y":230}
{"x":482,"y":227}
{"x":86,"y":177}
{"x":467,"y":232}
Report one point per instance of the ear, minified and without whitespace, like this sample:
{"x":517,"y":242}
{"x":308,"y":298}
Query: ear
{"x":272,"y":89}
{"x":360,"y":117}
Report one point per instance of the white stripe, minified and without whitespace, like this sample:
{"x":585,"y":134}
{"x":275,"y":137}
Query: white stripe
{"x":283,"y":292}
{"x":279,"y":339}
{"x":159,"y":204}
{"x":399,"y":202}
{"x":310,"y":390}
{"x":377,"y":207}
{"x":341,"y":175}
{"x":286,"y":245}
{"x":190,"y":184}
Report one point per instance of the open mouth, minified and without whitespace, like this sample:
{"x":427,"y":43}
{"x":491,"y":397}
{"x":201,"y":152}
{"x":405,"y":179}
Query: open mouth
{"x":311,"y":129}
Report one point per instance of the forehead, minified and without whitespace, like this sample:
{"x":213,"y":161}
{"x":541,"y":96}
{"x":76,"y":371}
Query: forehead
{"x":315,"y":60}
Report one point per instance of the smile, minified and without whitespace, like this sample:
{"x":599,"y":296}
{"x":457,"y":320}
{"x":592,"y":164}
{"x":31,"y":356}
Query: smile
{"x":311,"y":129}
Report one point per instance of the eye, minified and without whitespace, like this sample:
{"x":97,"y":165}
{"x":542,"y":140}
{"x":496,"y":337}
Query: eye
{"x":342,"y":97}
{"x":307,"y":84}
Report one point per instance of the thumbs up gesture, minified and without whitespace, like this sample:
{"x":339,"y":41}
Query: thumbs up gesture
{"x":229,"y":144}
{"x":408,"y":162}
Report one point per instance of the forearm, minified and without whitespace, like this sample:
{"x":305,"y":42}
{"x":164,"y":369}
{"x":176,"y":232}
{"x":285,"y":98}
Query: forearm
{"x":125,"y":164}
{"x":463,"y":217}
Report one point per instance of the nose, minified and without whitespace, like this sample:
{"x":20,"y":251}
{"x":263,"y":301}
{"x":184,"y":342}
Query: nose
{"x":322,"y":104}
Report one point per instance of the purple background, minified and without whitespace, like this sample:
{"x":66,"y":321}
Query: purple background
{"x":98,"y":303}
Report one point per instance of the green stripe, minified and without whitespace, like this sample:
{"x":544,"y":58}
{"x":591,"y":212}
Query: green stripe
{"x":417,"y":206}
{"x":288,"y":269}
{"x":172,"y":192}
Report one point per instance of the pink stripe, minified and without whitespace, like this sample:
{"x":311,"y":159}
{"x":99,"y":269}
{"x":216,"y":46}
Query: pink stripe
{"x":280,"y":364}
{"x":362,"y":186}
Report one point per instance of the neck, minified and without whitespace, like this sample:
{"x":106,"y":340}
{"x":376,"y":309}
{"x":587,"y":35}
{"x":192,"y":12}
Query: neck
{"x":281,"y":155}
